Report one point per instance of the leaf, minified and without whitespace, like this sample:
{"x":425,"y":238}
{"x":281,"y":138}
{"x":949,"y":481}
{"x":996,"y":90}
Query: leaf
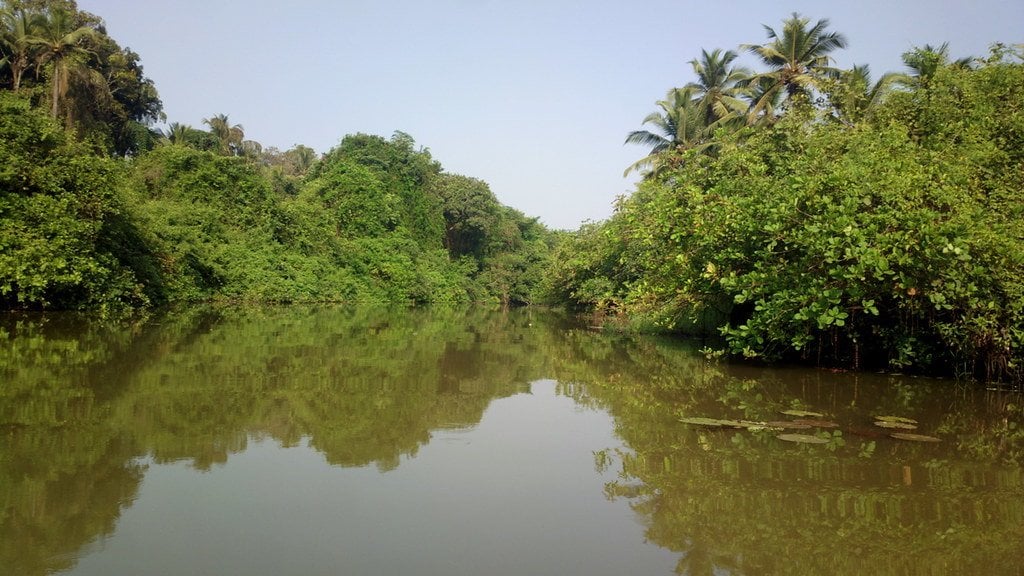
{"x":787,"y":424}
{"x":802,"y":413}
{"x":895,"y":419}
{"x":713,"y":422}
{"x":817,"y":423}
{"x":899,"y":425}
{"x":802,"y":438}
{"x":722,"y":423}
{"x":914,"y":437}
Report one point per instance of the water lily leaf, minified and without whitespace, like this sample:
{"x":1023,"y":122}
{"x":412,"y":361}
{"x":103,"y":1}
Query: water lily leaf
{"x":898,"y":425}
{"x":802,"y":438}
{"x":803,"y":414}
{"x":914,"y":437}
{"x":787,"y":424}
{"x":895,"y":419}
{"x":718,"y":422}
{"x":817,"y":423}
{"x":699,"y":421}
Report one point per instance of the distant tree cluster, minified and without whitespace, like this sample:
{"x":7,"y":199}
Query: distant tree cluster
{"x":200,"y":215}
{"x":809,"y":213}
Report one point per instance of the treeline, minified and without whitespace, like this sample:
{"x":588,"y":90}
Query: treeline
{"x":101,"y":211}
{"x":799,"y":212}
{"x":808,"y":213}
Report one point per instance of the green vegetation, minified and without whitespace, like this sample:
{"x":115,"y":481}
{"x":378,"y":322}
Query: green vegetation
{"x":100,"y":211}
{"x":798,"y":212}
{"x":832,"y":219}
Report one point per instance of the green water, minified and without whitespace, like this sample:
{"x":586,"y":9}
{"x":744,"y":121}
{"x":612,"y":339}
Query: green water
{"x":357,"y":441}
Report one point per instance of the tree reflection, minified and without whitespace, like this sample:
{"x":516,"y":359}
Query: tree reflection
{"x":744,"y":502}
{"x":83,"y":404}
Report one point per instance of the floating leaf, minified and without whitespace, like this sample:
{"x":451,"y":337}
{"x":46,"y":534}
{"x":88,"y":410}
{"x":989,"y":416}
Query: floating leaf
{"x":720,"y":423}
{"x":895,"y":419}
{"x":802,"y":438}
{"x":706,"y":421}
{"x":751,"y":425}
{"x":817,"y":423}
{"x":787,"y":424}
{"x":803,"y":414}
{"x":898,"y":425}
{"x":914,"y":437}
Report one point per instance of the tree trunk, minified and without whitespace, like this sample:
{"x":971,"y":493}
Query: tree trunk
{"x":56,"y":87}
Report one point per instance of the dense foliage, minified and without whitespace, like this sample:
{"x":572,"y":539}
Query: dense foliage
{"x":852,"y":226}
{"x":799,"y":212}
{"x":61,"y":222}
{"x":191,"y":215}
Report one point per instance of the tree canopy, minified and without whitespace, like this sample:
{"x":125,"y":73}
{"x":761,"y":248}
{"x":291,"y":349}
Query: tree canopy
{"x":848,"y":222}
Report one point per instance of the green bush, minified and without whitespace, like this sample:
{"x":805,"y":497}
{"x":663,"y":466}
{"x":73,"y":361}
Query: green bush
{"x":892,"y":243}
{"x":61,"y":219}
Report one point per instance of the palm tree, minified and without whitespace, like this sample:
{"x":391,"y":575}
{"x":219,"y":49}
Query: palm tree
{"x":717,"y":87}
{"x":177,"y":133}
{"x":925,"y":61}
{"x":853,"y":96}
{"x":61,"y":45}
{"x":798,"y":59}
{"x":763,"y":94}
{"x":18,"y":29}
{"x":229,"y":137}
{"x":680,"y":124}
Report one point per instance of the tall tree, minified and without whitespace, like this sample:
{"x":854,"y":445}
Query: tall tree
{"x":717,"y":87}
{"x":17,"y":28}
{"x":854,"y":96}
{"x":62,"y":45}
{"x":301,"y":158}
{"x":798,"y":59}
{"x":680,"y":123}
{"x":925,"y":61}
{"x":177,"y":133}
{"x":251,"y":149}
{"x":229,"y":136}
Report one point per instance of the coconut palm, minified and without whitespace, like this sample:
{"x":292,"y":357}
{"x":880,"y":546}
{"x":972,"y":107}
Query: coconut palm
{"x":798,"y":59}
{"x":177,"y":133}
{"x":17,"y":28}
{"x":854,"y":96}
{"x":62,"y":46}
{"x":680,"y":124}
{"x":717,"y":87}
{"x":763,"y":94}
{"x":229,"y":137}
{"x":925,"y":61}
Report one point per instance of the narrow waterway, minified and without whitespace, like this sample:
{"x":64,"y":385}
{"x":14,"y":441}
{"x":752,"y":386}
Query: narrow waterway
{"x":339,"y":440}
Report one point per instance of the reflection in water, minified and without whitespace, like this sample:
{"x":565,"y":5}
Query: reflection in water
{"x":739,"y":501}
{"x":91,"y":413}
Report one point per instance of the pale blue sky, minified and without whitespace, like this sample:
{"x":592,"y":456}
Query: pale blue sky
{"x":533,"y":96}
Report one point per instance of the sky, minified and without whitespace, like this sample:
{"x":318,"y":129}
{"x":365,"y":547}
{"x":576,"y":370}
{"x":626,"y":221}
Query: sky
{"x":535,"y":97}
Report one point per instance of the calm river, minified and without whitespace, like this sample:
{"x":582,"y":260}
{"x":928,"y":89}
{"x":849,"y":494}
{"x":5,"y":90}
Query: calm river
{"x":366,"y":441}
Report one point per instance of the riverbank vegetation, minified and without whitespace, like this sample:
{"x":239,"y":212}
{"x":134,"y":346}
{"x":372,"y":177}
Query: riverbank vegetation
{"x":796,"y":212}
{"x":808,"y":213}
{"x":99,"y":210}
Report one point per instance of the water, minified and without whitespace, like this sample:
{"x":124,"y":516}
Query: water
{"x":372,"y":441}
